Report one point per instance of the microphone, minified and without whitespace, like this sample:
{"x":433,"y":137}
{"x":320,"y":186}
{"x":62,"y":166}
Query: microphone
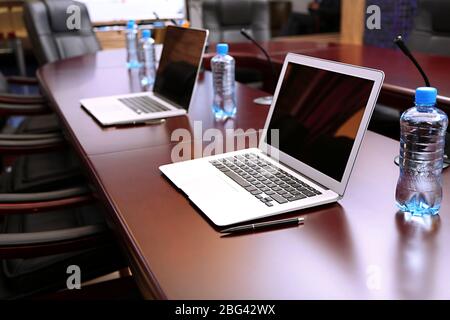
{"x":399,"y":42}
{"x":268,"y":99}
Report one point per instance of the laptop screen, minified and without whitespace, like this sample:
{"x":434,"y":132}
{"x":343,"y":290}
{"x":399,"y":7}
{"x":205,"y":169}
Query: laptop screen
{"x":179,"y":63}
{"x":318,"y":114}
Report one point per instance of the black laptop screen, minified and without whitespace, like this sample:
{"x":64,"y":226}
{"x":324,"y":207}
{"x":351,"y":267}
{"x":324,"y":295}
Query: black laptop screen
{"x":318,"y":114}
{"x":180,"y":59}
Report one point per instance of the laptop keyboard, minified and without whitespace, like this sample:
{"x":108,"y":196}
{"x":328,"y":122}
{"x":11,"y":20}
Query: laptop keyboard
{"x":268,"y":183}
{"x":143,"y":105}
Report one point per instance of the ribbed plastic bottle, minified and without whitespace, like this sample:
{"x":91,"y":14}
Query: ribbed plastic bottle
{"x":147,"y":59}
{"x":223,"y":68}
{"x":422,"y":142}
{"x":132,"y":44}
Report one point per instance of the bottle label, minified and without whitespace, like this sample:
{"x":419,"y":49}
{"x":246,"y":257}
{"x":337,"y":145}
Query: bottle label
{"x":223,"y":78}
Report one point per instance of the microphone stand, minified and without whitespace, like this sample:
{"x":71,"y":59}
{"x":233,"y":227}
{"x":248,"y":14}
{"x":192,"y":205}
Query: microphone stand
{"x":266,"y":100}
{"x":402,"y":46}
{"x":399,"y":42}
{"x":157,"y":17}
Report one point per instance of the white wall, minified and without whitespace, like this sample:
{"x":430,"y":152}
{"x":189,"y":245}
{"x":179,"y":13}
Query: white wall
{"x":113,"y":10}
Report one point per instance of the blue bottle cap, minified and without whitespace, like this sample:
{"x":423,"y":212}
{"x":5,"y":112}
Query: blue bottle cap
{"x":146,"y":34}
{"x":222,"y":48}
{"x":426,"y":96}
{"x":130,"y":24}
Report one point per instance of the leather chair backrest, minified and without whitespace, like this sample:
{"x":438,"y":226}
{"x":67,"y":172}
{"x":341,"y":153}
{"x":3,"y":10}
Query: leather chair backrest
{"x":225,"y":18}
{"x":53,"y":29}
{"x":3,"y":84}
{"x":431,"y":32}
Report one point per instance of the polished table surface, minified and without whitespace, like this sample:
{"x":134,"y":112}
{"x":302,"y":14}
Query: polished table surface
{"x":104,"y":74}
{"x":358,"y":248}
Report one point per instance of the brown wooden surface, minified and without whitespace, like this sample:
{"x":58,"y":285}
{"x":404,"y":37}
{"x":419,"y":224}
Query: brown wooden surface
{"x":329,"y":257}
{"x":176,"y":253}
{"x":105,"y":74}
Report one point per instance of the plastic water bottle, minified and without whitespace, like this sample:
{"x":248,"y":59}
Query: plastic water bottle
{"x":132,"y":44}
{"x":422,"y":142}
{"x":147,"y":59}
{"x":222,"y":65}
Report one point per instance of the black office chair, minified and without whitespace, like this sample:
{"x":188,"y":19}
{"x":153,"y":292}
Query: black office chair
{"x":35,"y":103}
{"x":43,"y":229}
{"x":36,"y":250}
{"x":48,"y":221}
{"x":298,"y":23}
{"x":51,"y":38}
{"x":324,"y":19}
{"x":225,"y":18}
{"x":431,"y":31}
{"x":328,"y":17}
{"x":30,"y":186}
{"x":386,"y":121}
{"x":51,"y":184}
{"x":39,"y":130}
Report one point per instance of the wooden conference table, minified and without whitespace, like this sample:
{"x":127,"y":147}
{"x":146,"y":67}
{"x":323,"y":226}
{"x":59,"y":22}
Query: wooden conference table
{"x":360,"y":248}
{"x":402,"y":76}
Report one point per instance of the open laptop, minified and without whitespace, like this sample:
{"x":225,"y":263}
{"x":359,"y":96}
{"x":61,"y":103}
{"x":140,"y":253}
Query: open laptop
{"x":175,"y":81}
{"x":314,"y":129}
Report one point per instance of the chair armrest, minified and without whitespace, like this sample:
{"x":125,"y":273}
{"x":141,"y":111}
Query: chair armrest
{"x":29,"y":137}
{"x":46,"y":237}
{"x":43,"y":196}
{"x":22,"y":99}
{"x":24,"y":143}
{"x":22,"y":80}
{"x":18,"y":203}
{"x":42,"y":206}
{"x":8,"y":109}
{"x":27,"y":245}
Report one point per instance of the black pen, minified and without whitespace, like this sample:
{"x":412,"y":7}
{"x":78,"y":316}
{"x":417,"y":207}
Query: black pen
{"x":264,"y":225}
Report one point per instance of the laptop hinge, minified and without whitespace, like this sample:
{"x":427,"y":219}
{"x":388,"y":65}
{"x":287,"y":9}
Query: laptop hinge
{"x":168,"y":101}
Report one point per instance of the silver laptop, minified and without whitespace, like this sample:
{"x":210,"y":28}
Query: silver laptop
{"x":175,"y":81}
{"x":314,"y":129}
